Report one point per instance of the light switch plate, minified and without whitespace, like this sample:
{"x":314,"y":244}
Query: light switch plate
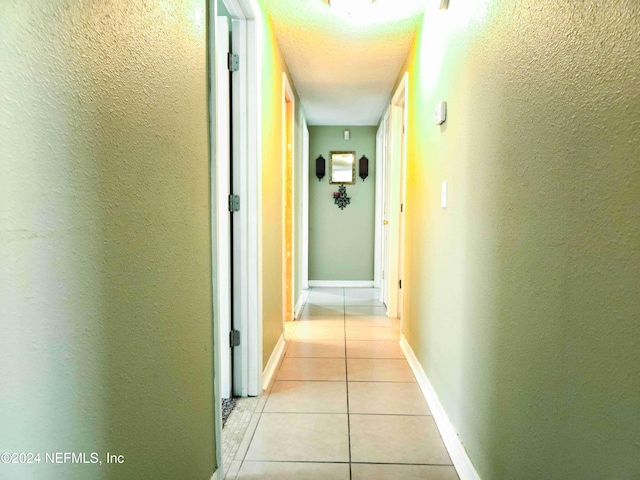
{"x":444,"y":194}
{"x":440,"y":114}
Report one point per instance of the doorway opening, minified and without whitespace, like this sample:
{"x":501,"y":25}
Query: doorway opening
{"x":236,"y":171}
{"x":392,"y":206}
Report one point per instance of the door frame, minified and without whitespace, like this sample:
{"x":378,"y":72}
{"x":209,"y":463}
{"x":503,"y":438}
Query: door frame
{"x":212,"y":73}
{"x":305,"y":205}
{"x":397,"y":191}
{"x":221,"y":182}
{"x":379,"y":208}
{"x":383,"y":210}
{"x":247,"y":134}
{"x":288,"y":97}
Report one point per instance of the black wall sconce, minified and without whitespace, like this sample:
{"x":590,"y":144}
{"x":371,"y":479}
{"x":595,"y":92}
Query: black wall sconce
{"x":320,"y":167}
{"x":364,"y":167}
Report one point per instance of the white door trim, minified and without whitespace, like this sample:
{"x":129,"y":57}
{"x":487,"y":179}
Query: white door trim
{"x":240,"y":177}
{"x":288,"y":97}
{"x":377,"y":250}
{"x":305,"y":206}
{"x":223,"y":224}
{"x":247,"y":135}
{"x":396,"y":186}
{"x":212,"y":11}
{"x":384,"y":209}
{"x":247,"y":12}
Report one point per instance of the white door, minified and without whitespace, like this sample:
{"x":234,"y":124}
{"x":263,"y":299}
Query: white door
{"x":402,"y":160}
{"x":222,"y":188}
{"x":395,"y":203}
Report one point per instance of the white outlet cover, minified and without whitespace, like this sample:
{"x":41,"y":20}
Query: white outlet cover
{"x":440,"y":113}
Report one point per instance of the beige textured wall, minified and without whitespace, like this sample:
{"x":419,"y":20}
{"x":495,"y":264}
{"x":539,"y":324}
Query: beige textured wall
{"x":522,"y":296}
{"x":105,"y":284}
{"x":273,"y":64}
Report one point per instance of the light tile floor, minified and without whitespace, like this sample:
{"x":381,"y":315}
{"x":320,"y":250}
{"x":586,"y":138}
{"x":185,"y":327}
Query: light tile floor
{"x":344,"y":404}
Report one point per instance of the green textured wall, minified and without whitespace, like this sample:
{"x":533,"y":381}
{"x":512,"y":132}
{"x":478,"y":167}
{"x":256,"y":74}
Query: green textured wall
{"x":341,"y":242}
{"x":522,"y":297}
{"x":105,"y":285}
{"x":222,"y":10}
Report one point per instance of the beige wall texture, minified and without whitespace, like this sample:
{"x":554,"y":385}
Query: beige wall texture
{"x":273,"y":65}
{"x":341,"y":242}
{"x":105,"y":248}
{"x":522,"y":297}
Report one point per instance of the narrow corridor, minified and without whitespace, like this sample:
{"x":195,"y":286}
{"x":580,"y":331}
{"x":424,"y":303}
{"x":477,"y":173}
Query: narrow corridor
{"x":344,"y":403}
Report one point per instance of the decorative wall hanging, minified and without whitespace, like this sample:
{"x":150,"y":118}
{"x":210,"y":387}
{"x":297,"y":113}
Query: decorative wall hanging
{"x":342,"y":167}
{"x":320,"y":167}
{"x":340,"y":197}
{"x":364,"y":167}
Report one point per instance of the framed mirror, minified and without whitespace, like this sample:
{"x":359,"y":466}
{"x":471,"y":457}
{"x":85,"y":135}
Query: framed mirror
{"x":342,"y":167}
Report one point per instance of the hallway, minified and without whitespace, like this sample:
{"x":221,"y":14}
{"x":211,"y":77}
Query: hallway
{"x":494,"y":155}
{"x":344,"y":403}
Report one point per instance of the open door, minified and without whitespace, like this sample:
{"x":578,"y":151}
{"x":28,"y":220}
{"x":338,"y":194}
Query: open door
{"x":237,"y":170}
{"x":223,"y":217}
{"x":398,"y":205}
{"x":236,"y":167}
{"x":394,"y":206}
{"x":402,"y":133}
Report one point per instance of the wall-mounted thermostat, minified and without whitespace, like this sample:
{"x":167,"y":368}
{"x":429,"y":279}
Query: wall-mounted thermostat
{"x":440,"y":114}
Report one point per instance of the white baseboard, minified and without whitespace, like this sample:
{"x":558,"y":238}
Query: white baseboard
{"x":342,"y":283}
{"x":456,"y":450}
{"x":274,"y":361}
{"x":215,"y":475}
{"x":302,"y":299}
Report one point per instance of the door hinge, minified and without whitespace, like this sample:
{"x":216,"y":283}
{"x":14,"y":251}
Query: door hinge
{"x":234,"y":203}
{"x":401,"y":207}
{"x":383,"y":274}
{"x":234,"y":338}
{"x":233,"y":62}
{"x":400,"y":284}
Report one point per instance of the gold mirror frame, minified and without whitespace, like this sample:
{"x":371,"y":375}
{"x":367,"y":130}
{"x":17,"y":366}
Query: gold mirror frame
{"x":337,"y":154}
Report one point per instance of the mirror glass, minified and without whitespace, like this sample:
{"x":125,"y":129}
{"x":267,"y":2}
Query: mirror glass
{"x":343,"y":167}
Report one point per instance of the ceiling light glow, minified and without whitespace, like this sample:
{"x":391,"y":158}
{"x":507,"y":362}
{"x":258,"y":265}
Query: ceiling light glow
{"x":349,"y":7}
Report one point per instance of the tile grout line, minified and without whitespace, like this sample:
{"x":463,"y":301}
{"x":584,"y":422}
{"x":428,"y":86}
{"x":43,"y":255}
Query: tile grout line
{"x":263,"y":406}
{"x":346,"y":374}
{"x":358,"y":463}
{"x":262,"y":411}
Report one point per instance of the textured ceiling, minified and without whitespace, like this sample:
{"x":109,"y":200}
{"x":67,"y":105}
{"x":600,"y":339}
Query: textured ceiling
{"x":344,"y":67}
